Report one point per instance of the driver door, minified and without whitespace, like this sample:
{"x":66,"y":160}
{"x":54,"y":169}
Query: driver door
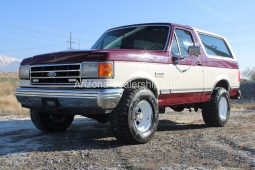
{"x":186,"y":74}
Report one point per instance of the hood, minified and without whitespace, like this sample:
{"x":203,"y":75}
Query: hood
{"x":65,"y":57}
{"x":98,"y":55}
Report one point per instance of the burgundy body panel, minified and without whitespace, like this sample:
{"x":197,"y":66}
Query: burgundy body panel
{"x":99,"y":55}
{"x":233,"y":92}
{"x":182,"y":98}
{"x":186,"y":98}
{"x":211,"y":62}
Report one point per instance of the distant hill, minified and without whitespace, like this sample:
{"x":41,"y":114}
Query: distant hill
{"x":9,"y":64}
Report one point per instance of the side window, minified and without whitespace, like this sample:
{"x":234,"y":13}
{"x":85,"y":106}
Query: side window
{"x":215,"y":46}
{"x":174,"y":47}
{"x":185,"y":41}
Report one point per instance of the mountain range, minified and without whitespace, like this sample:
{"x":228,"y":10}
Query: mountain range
{"x":9,"y":64}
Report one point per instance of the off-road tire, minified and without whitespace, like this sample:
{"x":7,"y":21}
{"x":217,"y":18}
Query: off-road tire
{"x":121,"y":117}
{"x":45,"y":123}
{"x":211,"y":113}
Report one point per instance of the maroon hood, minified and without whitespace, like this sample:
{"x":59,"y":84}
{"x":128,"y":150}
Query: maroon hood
{"x":98,"y":55}
{"x":65,"y":57}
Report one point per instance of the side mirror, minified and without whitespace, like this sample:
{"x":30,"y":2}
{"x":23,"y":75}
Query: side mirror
{"x":194,"y":50}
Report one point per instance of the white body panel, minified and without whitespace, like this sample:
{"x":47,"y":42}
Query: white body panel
{"x":168,"y":78}
{"x":214,"y":75}
{"x":186,"y":79}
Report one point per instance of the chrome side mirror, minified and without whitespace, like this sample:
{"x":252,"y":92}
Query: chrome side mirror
{"x":194,"y":51}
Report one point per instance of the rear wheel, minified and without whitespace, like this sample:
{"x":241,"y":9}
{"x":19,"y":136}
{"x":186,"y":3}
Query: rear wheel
{"x":217,"y":111}
{"x":51,"y":123}
{"x":135,"y":119}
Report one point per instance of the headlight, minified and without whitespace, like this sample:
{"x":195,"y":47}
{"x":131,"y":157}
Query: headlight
{"x":24,"y":72}
{"x":97,"y":69}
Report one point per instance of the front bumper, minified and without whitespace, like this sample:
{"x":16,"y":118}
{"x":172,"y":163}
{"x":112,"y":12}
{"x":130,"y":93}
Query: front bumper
{"x":76,"y":101}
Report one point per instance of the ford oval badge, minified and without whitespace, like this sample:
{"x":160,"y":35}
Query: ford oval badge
{"x":51,"y":74}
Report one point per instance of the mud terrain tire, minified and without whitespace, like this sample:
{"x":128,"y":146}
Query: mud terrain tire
{"x":124,"y":119}
{"x":217,"y":111}
{"x":51,"y":123}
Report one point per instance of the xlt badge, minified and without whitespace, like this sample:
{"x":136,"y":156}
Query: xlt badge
{"x":159,"y":74}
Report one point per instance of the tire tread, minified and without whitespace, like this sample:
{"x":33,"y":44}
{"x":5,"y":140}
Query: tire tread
{"x":210,"y":110}
{"x":43,"y":122}
{"x":119,"y":117}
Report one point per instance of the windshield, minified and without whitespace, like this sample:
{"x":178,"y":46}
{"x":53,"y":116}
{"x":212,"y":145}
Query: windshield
{"x":140,"y":37}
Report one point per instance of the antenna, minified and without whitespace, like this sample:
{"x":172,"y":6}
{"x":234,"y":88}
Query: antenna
{"x":70,"y":42}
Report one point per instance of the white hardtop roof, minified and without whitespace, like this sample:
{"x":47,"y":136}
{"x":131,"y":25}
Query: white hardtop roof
{"x":210,"y":33}
{"x":216,"y":35}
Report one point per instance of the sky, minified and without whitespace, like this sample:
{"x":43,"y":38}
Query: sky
{"x":30,"y":27}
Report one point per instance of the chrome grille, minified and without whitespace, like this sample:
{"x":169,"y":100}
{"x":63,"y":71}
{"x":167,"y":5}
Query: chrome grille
{"x":55,"y":74}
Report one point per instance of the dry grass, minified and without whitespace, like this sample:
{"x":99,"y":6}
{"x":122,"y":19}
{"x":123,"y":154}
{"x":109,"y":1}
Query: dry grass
{"x":8,"y":83}
{"x":10,"y":106}
{"x":8,"y":103}
{"x":244,"y":105}
{"x":7,"y":88}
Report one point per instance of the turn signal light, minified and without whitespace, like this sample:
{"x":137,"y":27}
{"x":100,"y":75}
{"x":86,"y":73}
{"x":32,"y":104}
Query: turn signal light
{"x":105,"y":70}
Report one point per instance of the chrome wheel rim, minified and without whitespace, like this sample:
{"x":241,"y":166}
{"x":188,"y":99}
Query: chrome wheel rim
{"x":223,"y":108}
{"x":143,"y":116}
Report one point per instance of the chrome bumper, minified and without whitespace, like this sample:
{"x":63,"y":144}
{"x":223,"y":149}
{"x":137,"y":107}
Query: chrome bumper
{"x":73,"y":100}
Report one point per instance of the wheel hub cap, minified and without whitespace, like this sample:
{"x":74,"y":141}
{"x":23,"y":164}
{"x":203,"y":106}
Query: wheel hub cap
{"x":139,"y":116}
{"x":223,"y":108}
{"x":143,"y":116}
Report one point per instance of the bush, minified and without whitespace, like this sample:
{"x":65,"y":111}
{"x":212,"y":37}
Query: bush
{"x":249,"y":73}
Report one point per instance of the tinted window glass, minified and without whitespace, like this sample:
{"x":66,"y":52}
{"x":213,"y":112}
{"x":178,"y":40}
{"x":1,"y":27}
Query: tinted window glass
{"x":141,"y":37}
{"x":185,"y":41}
{"x":174,"y":47}
{"x":110,"y":39}
{"x":215,"y":46}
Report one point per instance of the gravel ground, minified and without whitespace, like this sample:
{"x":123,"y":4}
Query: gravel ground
{"x":181,"y":142}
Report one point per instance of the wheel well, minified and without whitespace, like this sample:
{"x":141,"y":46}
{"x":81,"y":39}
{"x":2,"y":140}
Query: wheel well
{"x":224,"y":84}
{"x":145,"y":82}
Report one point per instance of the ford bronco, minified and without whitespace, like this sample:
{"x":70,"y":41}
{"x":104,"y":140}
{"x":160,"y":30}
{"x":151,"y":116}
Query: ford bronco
{"x":131,"y":74}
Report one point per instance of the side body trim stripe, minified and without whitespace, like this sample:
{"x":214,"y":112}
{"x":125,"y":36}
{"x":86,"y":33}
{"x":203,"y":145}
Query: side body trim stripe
{"x":194,"y":90}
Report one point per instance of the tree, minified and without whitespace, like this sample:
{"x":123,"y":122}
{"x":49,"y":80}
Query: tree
{"x":249,"y":73}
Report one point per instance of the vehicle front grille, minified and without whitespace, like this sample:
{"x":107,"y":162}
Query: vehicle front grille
{"x":55,"y":74}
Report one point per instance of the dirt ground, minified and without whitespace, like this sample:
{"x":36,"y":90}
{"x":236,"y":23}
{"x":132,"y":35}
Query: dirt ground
{"x":181,"y":142}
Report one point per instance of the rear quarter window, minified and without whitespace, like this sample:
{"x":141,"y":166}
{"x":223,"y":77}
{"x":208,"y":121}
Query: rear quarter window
{"x":215,"y":46}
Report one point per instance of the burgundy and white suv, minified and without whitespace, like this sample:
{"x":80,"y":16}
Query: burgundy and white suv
{"x":130,"y":75}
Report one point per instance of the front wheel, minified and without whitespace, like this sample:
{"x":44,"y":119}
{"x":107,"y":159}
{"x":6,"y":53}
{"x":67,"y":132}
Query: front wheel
{"x":217,"y":111}
{"x":51,"y":123}
{"x":135,"y":119}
